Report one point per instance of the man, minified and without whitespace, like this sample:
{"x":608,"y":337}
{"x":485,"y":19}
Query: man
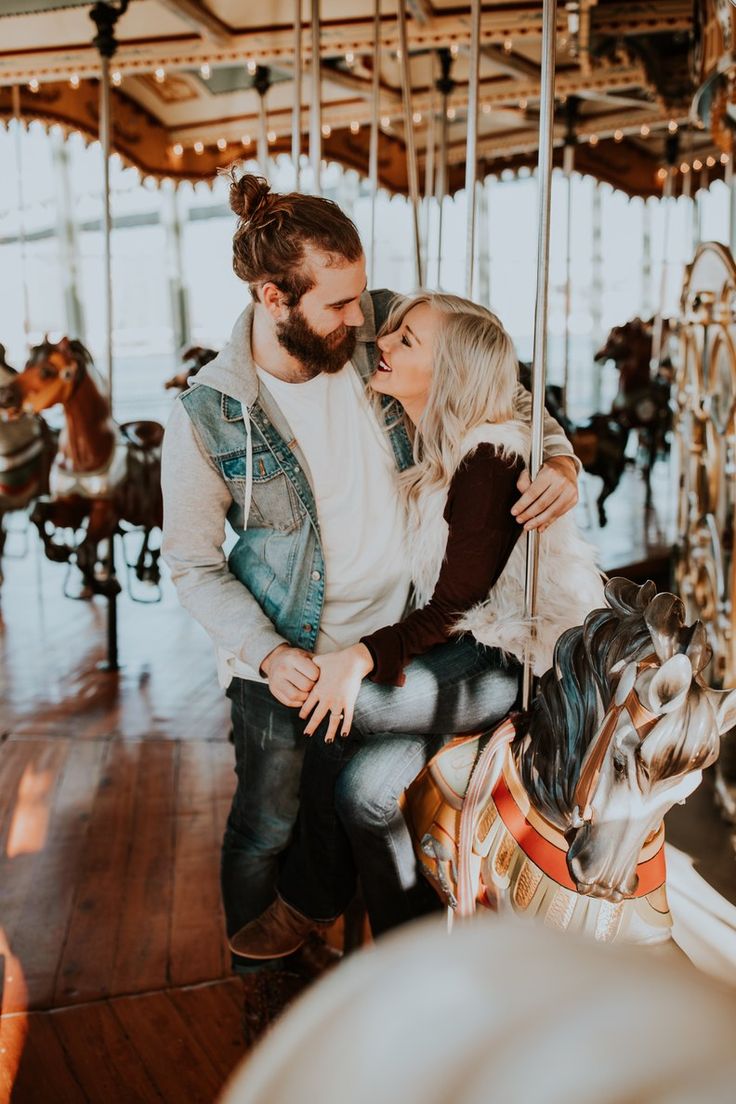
{"x":276,"y":437}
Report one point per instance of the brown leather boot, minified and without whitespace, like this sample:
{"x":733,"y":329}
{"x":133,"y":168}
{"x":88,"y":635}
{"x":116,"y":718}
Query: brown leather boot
{"x":276,"y":933}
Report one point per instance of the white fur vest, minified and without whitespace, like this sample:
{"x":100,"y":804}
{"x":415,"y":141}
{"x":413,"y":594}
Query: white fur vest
{"x":569,"y":584}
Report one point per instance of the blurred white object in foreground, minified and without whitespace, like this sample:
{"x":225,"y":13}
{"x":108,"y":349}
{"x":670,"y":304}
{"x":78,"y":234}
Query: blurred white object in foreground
{"x":501,"y":1011}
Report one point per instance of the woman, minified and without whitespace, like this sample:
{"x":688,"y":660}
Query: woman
{"x":452,"y":368}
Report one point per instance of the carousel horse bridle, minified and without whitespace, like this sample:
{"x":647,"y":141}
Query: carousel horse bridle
{"x":625,"y":699}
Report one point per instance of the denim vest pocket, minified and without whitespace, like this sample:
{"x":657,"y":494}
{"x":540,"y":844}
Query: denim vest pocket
{"x":274,"y":504}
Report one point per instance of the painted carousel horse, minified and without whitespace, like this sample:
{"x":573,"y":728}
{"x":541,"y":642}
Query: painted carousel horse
{"x":642,"y":403}
{"x":27,"y":446}
{"x":103,"y":474}
{"x":599,"y":442}
{"x":559,"y":815}
{"x":193,"y":360}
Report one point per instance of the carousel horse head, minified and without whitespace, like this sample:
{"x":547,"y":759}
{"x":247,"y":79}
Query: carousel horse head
{"x":52,"y":375}
{"x":661,"y":728}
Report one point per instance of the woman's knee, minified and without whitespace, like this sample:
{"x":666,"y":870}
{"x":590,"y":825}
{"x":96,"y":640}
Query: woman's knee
{"x":369,"y":788}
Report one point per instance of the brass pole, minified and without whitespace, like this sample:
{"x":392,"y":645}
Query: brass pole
{"x":471,"y":152}
{"x":411,"y":149}
{"x":315,"y":123}
{"x":296,"y":111}
{"x":373,"y":146}
{"x":539,"y":366}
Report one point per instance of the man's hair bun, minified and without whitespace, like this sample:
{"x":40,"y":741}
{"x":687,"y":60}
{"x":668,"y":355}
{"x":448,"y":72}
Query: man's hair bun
{"x":250,"y":196}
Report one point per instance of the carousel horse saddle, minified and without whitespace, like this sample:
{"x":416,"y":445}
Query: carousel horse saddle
{"x":517,"y":859}
{"x":144,"y":435}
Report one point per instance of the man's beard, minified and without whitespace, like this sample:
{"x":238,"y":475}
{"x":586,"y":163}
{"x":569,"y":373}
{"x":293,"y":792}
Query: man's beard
{"x":315,"y":353}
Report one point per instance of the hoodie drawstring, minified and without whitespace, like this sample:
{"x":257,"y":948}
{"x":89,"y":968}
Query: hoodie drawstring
{"x":248,"y":466}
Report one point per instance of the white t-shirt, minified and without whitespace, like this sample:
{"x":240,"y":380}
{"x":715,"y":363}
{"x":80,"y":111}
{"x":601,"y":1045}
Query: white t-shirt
{"x":361,"y":519}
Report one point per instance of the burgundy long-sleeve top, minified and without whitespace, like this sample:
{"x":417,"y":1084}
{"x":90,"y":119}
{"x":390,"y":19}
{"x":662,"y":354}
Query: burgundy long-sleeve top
{"x":482,"y":534}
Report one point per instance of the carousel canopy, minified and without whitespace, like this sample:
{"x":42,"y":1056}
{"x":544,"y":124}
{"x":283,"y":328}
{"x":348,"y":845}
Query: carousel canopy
{"x":190,"y":77}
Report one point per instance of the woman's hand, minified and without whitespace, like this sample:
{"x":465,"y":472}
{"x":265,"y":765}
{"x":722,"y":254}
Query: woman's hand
{"x":336,"y":689}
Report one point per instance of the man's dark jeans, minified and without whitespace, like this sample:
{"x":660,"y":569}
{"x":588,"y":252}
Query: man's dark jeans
{"x":350,"y":789}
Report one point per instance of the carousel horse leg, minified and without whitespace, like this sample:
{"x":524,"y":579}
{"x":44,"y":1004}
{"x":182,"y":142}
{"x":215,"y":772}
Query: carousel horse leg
{"x":102,"y":525}
{"x":51,"y":514}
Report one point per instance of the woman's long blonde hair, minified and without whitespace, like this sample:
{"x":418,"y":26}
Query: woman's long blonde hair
{"x":473,"y":382}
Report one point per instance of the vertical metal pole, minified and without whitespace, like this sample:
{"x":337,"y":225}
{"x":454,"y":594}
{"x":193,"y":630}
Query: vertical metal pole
{"x":658,"y":325}
{"x":105,"y":122}
{"x":105,"y":128}
{"x":171,"y":220}
{"x":568,"y":167}
{"x":596,"y":291}
{"x":21,"y":215}
{"x":647,"y":295}
{"x":67,"y":238}
{"x":262,"y":83}
{"x":296,"y":111}
{"x":263,"y":159}
{"x":373,"y":147}
{"x":700,"y":200}
{"x":539,"y":366}
{"x":729,"y":177}
{"x":471,"y":151}
{"x":441,"y":184}
{"x":429,"y":178}
{"x":484,"y":244}
{"x":315,"y":118}
{"x":411,"y":149}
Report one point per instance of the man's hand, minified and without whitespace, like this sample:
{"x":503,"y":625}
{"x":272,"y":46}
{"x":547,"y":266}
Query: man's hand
{"x":552,"y":494}
{"x":291,"y":674}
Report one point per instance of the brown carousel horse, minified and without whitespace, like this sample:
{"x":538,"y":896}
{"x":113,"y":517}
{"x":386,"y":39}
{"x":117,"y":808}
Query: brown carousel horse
{"x":642,"y":403}
{"x":103,"y":474}
{"x":559,"y":815}
{"x":27,"y":446}
{"x":193,"y":360}
{"x":599,"y":442}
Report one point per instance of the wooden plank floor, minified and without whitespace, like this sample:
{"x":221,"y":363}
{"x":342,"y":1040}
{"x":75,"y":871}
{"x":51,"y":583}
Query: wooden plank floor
{"x":114,"y":789}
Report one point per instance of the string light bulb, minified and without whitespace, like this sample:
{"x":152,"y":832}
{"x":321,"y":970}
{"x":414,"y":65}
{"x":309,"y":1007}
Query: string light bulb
{"x":725,"y":159}
{"x":160,"y":76}
{"x":33,"y":85}
{"x":593,"y":140}
{"x":246,"y":139}
{"x":117,"y":78}
{"x":326,"y":130}
{"x":177,"y":150}
{"x":710,"y":161}
{"x":672,"y":126}
{"x":385,"y":121}
{"x":697,"y":165}
{"x":221,"y":143}
{"x":417,"y":117}
{"x":454,"y":49}
{"x":354,"y":127}
{"x":618,"y":136}
{"x":198,"y":147}
{"x":644,"y":131}
{"x":74,"y":80}
{"x":508,"y":45}
{"x":451,"y":113}
{"x":271,"y":137}
{"x":204,"y":71}
{"x":252,"y":66}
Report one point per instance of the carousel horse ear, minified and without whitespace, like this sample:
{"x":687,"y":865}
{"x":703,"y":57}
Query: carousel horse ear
{"x":65,"y":345}
{"x":671,"y":684}
{"x":698,"y":650}
{"x":724,"y":707}
{"x":664,"y":617}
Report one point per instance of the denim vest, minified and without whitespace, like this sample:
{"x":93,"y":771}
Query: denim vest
{"x":278,"y":554}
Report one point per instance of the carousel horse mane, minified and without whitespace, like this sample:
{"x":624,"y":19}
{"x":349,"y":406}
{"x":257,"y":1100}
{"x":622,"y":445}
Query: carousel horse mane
{"x":577,"y":690}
